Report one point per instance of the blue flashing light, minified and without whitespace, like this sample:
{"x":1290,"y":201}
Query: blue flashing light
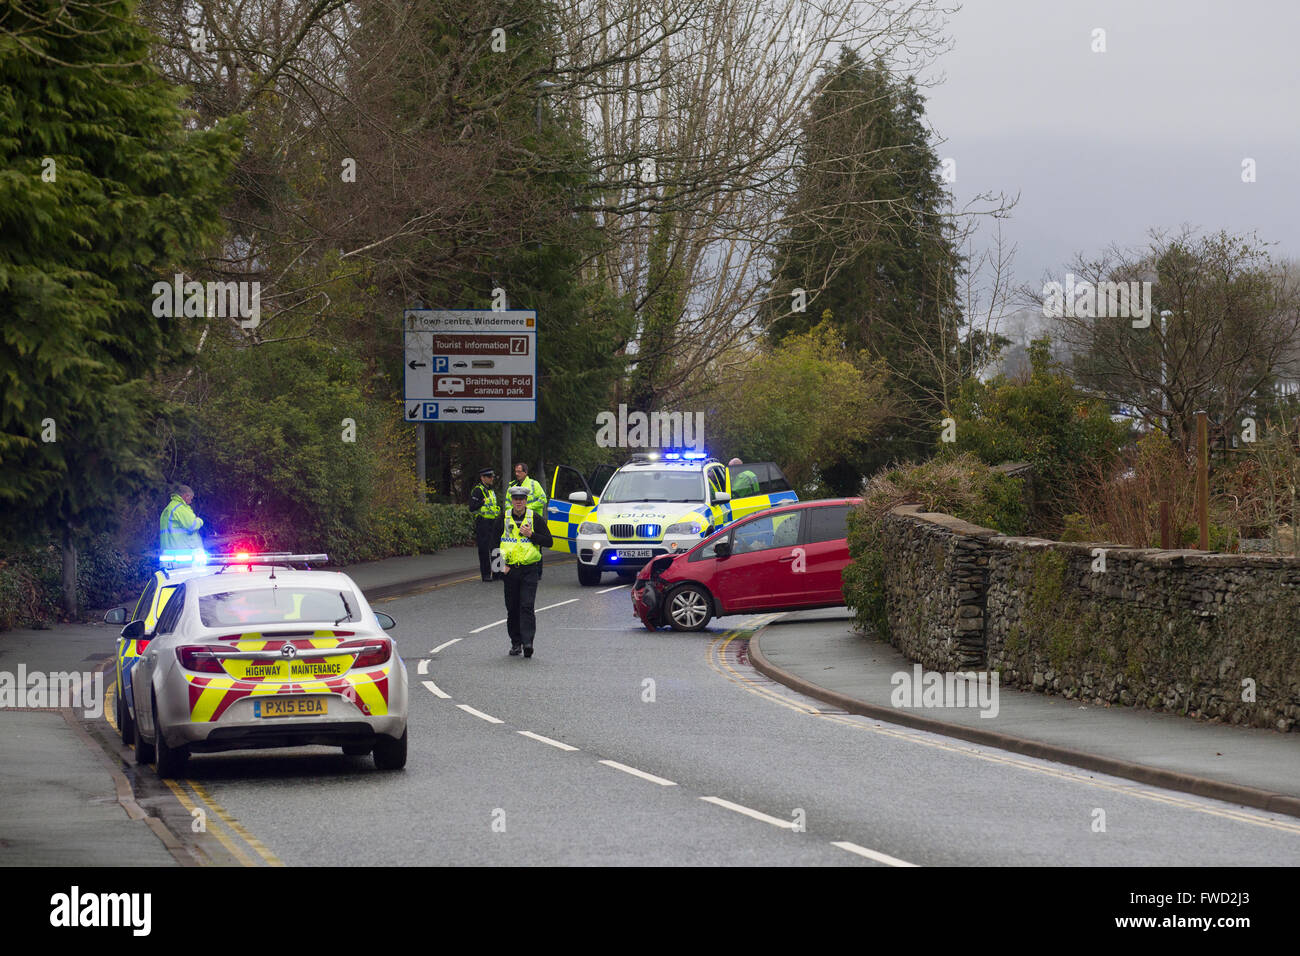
{"x":685,"y":455}
{"x":614,"y":557}
{"x":193,"y":557}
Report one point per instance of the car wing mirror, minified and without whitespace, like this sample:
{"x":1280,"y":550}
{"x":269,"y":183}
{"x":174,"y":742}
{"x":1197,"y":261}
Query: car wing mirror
{"x":133,"y":631}
{"x":386,"y":622}
{"x":722,"y":496}
{"x":722,"y":549}
{"x":580,"y":498}
{"x":116,"y":616}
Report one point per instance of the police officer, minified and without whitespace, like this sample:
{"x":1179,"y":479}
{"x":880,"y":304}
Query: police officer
{"x":522,"y":538}
{"x":487,"y":521}
{"x":178,"y":526}
{"x":743,"y":484}
{"x":536,"y":496}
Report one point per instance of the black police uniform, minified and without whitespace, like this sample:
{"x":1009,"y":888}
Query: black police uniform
{"x":521,"y":586}
{"x":487,"y":528}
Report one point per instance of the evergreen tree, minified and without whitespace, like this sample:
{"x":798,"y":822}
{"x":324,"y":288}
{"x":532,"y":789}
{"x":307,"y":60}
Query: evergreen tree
{"x":103,"y":192}
{"x":870,"y":244}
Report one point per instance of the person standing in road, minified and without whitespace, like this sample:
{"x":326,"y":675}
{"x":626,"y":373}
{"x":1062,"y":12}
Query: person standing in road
{"x":178,"y":526}
{"x":487,"y":521}
{"x":536,"y":496}
{"x":522,"y":538}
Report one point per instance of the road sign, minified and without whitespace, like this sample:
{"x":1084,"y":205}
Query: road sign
{"x":470,"y":366}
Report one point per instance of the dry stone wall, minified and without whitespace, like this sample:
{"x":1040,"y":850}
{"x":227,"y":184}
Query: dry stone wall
{"x":1206,"y":635}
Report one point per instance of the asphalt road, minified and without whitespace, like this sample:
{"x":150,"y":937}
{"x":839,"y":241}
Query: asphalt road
{"x":668,"y":749}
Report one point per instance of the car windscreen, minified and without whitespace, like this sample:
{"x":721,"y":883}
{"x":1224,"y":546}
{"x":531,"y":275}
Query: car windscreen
{"x":277,"y":605}
{"x":655,"y":486}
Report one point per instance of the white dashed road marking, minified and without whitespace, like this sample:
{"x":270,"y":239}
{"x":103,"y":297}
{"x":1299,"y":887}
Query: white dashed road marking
{"x":638,"y":773}
{"x":486,"y":626}
{"x":614,"y":588}
{"x":441,"y":646}
{"x":422,"y":668}
{"x":775,"y":821}
{"x":546,"y":740}
{"x":435,"y":690}
{"x":479,"y":714}
{"x":560,"y":604}
{"x":884,"y":858}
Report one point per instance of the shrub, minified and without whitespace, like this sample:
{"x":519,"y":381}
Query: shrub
{"x":961,"y":486}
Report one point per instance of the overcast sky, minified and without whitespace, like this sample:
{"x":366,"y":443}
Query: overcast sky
{"x":1152,"y":132}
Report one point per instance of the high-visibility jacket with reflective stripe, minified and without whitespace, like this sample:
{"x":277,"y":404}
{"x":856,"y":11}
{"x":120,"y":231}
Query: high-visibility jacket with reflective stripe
{"x":536,"y":496}
{"x":515,"y":548}
{"x":485,"y":500}
{"x":178,"y":527}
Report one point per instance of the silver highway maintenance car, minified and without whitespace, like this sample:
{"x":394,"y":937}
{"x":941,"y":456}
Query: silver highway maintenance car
{"x":268,"y":656}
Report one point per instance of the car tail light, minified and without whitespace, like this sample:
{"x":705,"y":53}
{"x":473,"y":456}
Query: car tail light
{"x":370,"y":651}
{"x":199,"y":659}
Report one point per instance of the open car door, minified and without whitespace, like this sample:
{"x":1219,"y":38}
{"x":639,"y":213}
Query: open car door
{"x":562,"y":515}
{"x":757,"y":485}
{"x":599,"y":478}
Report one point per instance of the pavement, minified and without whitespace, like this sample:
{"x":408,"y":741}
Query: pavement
{"x":819,"y":654}
{"x":66,"y":799}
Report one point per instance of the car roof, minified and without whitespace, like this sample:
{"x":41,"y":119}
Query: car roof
{"x":235,"y":580}
{"x":696,"y":465}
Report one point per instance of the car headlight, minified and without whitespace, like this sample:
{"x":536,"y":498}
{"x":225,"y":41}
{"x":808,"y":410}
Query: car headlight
{"x":684,"y":527}
{"x":591,"y":527}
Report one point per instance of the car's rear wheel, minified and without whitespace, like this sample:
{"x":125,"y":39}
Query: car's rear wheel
{"x":588,"y":577}
{"x":171,"y":760}
{"x":144,"y":753}
{"x":688,"y":608}
{"x":125,"y":725}
{"x":390,"y":754}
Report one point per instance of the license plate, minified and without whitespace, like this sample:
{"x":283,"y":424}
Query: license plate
{"x":290,"y":707}
{"x":635,"y":553}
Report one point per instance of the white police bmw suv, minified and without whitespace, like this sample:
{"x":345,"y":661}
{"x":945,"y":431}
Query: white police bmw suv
{"x":656,"y":503}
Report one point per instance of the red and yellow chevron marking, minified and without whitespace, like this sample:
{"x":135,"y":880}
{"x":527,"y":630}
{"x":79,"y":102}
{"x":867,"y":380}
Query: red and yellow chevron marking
{"x":211,"y":696}
{"x":308,"y":666}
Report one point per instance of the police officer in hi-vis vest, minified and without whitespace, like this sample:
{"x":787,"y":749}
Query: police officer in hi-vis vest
{"x":522,"y":539}
{"x":487,"y":521}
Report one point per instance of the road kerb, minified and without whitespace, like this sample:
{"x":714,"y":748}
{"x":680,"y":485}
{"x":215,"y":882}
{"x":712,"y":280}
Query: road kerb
{"x":1141,"y":773}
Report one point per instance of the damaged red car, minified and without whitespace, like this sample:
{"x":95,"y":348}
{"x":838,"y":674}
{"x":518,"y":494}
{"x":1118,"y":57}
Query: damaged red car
{"x":787,"y":558}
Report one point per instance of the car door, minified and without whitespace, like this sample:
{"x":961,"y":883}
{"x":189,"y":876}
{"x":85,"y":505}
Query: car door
{"x":720,"y":514}
{"x":599,"y":478}
{"x":825,"y":553}
{"x":142,"y":682}
{"x":759,"y":573}
{"x":563,"y":516}
{"x":768,"y":488}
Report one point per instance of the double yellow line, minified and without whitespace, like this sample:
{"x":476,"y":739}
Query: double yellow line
{"x":195,"y":799}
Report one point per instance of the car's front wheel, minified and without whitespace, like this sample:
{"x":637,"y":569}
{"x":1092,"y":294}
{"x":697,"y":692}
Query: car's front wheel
{"x":588,"y":577}
{"x":390,"y":754}
{"x":688,"y":608}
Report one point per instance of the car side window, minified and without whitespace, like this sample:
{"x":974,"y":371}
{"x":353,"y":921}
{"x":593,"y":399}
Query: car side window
{"x":828,"y":524}
{"x":709,"y":550}
{"x":766,"y":532}
{"x":717,"y":481}
{"x":172,"y":613}
{"x":146,"y":601}
{"x":771,"y":481}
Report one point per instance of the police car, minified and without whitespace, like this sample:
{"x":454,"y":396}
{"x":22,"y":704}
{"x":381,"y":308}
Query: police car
{"x":655,"y":504}
{"x":253,"y":653}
